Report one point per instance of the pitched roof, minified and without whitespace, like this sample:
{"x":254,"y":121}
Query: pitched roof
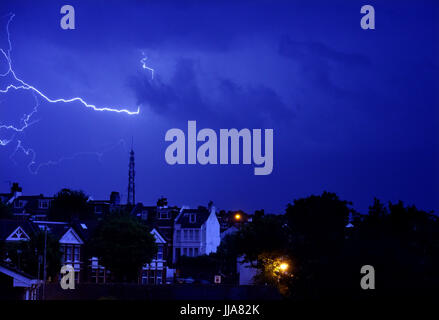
{"x":85,"y":228}
{"x":158,"y":237}
{"x":14,"y":272}
{"x":184,"y":218}
{"x":56,"y":229}
{"x":7,"y":226}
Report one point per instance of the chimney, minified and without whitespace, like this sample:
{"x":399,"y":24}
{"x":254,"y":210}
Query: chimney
{"x":16,"y":190}
{"x":115,"y":198}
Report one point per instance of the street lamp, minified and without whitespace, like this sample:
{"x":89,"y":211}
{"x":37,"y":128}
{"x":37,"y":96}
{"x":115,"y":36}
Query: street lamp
{"x":237,"y":217}
{"x":284,"y":266}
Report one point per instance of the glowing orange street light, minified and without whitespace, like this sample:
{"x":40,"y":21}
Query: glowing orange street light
{"x":284,"y":266}
{"x":237,"y":216}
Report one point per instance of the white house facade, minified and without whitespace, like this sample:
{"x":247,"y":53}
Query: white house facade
{"x":196,"y":232}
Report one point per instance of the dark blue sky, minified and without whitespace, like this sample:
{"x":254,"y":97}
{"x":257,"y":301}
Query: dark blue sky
{"x":353,"y":111}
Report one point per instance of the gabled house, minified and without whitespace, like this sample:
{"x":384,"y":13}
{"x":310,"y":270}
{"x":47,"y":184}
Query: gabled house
{"x":69,"y":240}
{"x":14,"y":230}
{"x":94,"y":272}
{"x":155,"y":271}
{"x":196,"y":232}
{"x":70,"y":244}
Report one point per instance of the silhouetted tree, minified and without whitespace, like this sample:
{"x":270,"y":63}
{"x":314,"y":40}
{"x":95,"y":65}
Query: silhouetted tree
{"x":266,"y":234}
{"x":317,"y":229}
{"x":69,"y":205}
{"x":123,"y":244}
{"x":24,"y":255}
{"x":401,"y":243}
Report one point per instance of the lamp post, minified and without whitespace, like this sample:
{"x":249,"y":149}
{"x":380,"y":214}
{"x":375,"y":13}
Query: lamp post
{"x":284,"y":266}
{"x":44,"y":263}
{"x":39,"y":259}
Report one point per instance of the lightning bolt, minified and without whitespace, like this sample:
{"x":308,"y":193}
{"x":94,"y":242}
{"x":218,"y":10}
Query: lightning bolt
{"x":33,"y":169}
{"x":144,"y":66}
{"x":25,"y":86}
{"x":26,"y":120}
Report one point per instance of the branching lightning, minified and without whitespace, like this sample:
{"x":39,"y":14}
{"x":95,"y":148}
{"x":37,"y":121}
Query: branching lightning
{"x":34,"y":169}
{"x":25,"y":86}
{"x":26,"y":121}
{"x":144,"y":66}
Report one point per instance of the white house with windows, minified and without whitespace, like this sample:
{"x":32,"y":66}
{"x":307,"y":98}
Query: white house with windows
{"x":196,"y":232}
{"x":155,"y":271}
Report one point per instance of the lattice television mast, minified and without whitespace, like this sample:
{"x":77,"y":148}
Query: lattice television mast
{"x":131,"y":173}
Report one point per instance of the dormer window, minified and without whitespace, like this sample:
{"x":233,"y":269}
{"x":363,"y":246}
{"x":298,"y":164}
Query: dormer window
{"x":192,"y":218}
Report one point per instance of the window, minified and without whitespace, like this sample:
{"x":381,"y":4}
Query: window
{"x":63,"y":257}
{"x":69,"y":253}
{"x":178,"y":235}
{"x":160,"y":253}
{"x":191,"y":252}
{"x":185,"y":251}
{"x":159,"y":277}
{"x":43,"y":204}
{"x":195,"y":252}
{"x":151,"y":277}
{"x":98,"y":209}
{"x":185,"y":234}
{"x":20,"y":204}
{"x":76,"y":254}
{"x":197,"y":235}
{"x":191,"y":234}
{"x":192,"y":218}
{"x":164,"y":215}
{"x":94,"y":263}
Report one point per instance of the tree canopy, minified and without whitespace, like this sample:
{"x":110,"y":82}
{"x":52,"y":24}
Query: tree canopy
{"x":25,"y":255}
{"x":69,"y":204}
{"x":123,"y":244}
{"x":324,"y":243}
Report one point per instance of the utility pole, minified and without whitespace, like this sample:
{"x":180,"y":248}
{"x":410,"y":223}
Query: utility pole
{"x":131,"y":187}
{"x":38,"y":273}
{"x":44,"y":264}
